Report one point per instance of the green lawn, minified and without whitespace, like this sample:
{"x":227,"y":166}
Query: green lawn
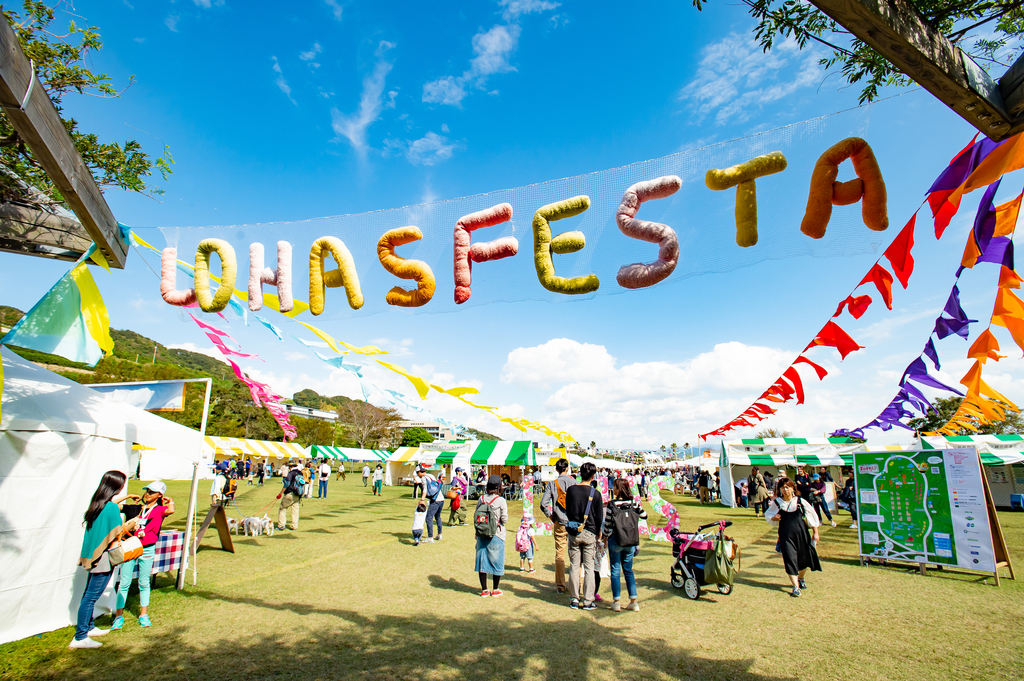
{"x":347,"y":596}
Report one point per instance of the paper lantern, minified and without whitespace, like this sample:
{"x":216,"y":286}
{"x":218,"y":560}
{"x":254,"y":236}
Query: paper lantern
{"x":405,"y":269}
{"x":567,"y":242}
{"x":229,"y":269}
{"x":743,"y":177}
{"x":281,"y":276}
{"x":168,"y":275}
{"x":466,"y":253}
{"x":640,"y":275}
{"x":343,"y":277}
{"x":825,"y":192}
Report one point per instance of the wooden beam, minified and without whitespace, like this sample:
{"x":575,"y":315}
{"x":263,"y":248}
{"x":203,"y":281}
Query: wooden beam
{"x":896,"y":30}
{"x":35,"y":232}
{"x":38,"y":123}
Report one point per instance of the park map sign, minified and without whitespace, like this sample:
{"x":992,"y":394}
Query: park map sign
{"x":927,"y":506}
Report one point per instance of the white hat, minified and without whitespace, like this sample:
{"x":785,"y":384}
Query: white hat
{"x":156,"y":486}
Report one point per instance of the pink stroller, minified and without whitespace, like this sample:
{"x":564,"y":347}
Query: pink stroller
{"x":690,"y":551}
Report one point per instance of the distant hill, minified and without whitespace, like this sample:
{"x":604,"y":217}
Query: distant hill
{"x":481,"y":435}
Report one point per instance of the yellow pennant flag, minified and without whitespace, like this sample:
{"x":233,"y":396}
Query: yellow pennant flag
{"x":94,"y":311}
{"x":422,"y":387}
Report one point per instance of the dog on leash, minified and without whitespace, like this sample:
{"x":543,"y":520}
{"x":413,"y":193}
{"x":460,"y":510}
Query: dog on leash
{"x":254,"y":527}
{"x":233,"y":525}
{"x":268,"y":525}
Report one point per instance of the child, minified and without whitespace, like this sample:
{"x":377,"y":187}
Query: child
{"x":744,"y":494}
{"x":526,"y":544}
{"x":419,"y":519}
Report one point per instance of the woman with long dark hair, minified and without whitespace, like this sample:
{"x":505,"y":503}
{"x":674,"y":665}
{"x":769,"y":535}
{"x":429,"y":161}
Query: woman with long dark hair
{"x":490,"y":519}
{"x":795,"y":517}
{"x":102,"y":528}
{"x":623,"y":519}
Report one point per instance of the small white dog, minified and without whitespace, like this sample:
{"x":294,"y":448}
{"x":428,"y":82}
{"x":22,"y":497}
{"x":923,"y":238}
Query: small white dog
{"x":233,"y":525}
{"x":268,"y":525}
{"x":254,"y":527}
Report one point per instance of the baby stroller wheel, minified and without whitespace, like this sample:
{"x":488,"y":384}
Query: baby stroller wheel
{"x":691,"y":589}
{"x":677,"y":579}
{"x":725,"y":589}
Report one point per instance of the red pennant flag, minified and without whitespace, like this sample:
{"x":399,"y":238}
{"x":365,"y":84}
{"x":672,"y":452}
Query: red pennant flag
{"x":763,"y":408}
{"x":794,"y":376}
{"x":899,"y":255}
{"x":882,"y":280}
{"x":833,"y":336}
{"x":783,"y":389}
{"x":820,"y":370}
{"x":857,"y":305}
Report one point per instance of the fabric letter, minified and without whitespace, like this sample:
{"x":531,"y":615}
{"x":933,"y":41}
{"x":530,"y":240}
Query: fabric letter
{"x":640,"y":275}
{"x":567,"y":242}
{"x":742,"y":177}
{"x":168,"y":274}
{"x":229,"y":269}
{"x":825,"y":192}
{"x":345,"y":276}
{"x":405,"y":269}
{"x":281,"y":277}
{"x":466,"y":252}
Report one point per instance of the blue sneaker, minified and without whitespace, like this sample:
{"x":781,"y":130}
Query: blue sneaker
{"x":144,"y":621}
{"x":118,"y":623}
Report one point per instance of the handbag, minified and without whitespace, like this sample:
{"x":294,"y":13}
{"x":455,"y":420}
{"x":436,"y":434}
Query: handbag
{"x":451,"y":494}
{"x":126,"y":549}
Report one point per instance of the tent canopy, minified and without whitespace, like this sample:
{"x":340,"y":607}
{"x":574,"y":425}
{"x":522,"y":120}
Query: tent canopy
{"x":995,"y":450}
{"x":234,"y":446}
{"x":348,"y":453}
{"x":483,"y":453}
{"x":57,"y":438}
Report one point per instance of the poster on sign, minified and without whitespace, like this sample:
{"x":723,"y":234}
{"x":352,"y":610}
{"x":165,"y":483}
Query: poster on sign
{"x":930,"y":507}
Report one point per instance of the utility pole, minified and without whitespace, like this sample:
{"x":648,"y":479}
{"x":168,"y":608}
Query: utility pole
{"x":154,"y":355}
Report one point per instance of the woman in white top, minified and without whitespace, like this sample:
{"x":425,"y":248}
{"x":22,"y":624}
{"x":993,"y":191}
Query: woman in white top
{"x":490,"y":550}
{"x":794,"y":516}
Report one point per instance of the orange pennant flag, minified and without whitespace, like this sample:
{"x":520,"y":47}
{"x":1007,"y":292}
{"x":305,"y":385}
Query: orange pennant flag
{"x":984,"y":348}
{"x":972,"y":379}
{"x":1006,"y":216}
{"x":1008,"y":278}
{"x":1009,"y":313}
{"x":971,"y":252}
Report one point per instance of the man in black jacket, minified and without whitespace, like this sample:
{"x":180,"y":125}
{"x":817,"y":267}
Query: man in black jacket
{"x":584,"y":527}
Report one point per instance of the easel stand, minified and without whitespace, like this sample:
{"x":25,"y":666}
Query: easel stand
{"x":216,"y":514}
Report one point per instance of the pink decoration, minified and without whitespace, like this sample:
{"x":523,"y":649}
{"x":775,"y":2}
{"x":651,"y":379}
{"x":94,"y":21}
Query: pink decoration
{"x":640,"y":275}
{"x":168,"y":277}
{"x":281,"y":277}
{"x":466,"y":253}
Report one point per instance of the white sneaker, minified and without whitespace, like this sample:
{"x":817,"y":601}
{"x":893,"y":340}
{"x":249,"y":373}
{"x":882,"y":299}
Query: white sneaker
{"x":854,"y":526}
{"x":833,"y":523}
{"x":84,"y":643}
{"x":428,"y":540}
{"x":96,"y":631}
{"x":438,"y":537}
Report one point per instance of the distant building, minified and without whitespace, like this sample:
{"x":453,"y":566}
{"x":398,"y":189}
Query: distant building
{"x":438,"y":431}
{"x":311,"y":413}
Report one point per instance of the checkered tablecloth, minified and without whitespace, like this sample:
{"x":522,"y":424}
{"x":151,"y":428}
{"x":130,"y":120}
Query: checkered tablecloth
{"x":169,"y":549}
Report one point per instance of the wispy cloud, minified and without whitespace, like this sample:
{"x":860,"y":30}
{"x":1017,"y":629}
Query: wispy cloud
{"x":353,"y":127}
{"x":429,"y":150}
{"x":171,"y":22}
{"x":492,"y":49}
{"x":513,"y":9}
{"x":281,"y":83}
{"x":738,"y":79}
{"x":310,"y":56}
{"x":336,"y":8}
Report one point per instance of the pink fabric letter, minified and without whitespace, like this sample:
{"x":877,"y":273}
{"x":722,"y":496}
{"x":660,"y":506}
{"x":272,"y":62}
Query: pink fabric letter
{"x":466,"y":253}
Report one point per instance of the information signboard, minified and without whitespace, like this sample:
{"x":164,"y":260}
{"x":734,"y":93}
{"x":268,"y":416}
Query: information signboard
{"x":925,"y":506}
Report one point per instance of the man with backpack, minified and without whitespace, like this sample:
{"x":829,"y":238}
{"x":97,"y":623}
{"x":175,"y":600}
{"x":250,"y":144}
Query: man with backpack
{"x":432,"y":495}
{"x":584,"y":508}
{"x":703,"y":482}
{"x":294,"y":484}
{"x":552,"y":504}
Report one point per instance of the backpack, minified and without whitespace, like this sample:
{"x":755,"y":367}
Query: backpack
{"x":433,"y":489}
{"x":560,"y":500}
{"x":230,"y":487}
{"x":626,"y":525}
{"x":298,"y":484}
{"x":523,"y":538}
{"x":486,"y":519}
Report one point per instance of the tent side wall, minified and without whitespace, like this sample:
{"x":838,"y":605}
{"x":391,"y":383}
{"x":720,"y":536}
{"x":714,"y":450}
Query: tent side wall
{"x":40,"y":542}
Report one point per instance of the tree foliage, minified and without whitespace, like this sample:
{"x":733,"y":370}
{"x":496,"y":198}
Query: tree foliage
{"x":313,"y":431}
{"x":769,"y":433}
{"x":413,"y":437}
{"x":61,"y":63}
{"x":371,"y":427}
{"x":945,"y":407}
{"x":1000,"y":43}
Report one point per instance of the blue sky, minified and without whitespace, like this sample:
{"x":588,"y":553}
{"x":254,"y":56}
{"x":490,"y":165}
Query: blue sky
{"x":338,"y":108}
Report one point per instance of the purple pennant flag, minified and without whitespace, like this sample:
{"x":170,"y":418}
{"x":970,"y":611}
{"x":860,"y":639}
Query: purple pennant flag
{"x":957,"y":321}
{"x":917,"y":398}
{"x":931,"y":353}
{"x":917,"y":371}
{"x":957,"y":171}
{"x":999,"y":250}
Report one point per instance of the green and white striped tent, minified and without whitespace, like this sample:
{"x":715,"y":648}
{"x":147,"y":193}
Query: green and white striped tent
{"x":349,"y":453}
{"x":995,"y":450}
{"x":777,"y":453}
{"x":484,"y":453}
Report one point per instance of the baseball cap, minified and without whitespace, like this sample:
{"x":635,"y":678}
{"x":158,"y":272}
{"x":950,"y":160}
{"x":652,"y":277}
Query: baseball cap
{"x":156,"y":486}
{"x":815,"y":477}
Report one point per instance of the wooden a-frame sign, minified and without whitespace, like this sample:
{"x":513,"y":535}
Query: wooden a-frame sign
{"x":216,"y":514}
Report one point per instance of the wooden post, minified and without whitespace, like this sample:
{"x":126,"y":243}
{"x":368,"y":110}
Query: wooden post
{"x":896,"y":30}
{"x":216,"y":513}
{"x":30,"y":111}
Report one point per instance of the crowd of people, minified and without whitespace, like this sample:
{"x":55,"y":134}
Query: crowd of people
{"x":590,"y":536}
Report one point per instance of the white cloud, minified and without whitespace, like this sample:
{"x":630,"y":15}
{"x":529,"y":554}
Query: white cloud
{"x":444,"y":128}
{"x":390,"y":104}
{"x":429,"y":150}
{"x":207,"y":4}
{"x":209,"y":351}
{"x":492,"y":49}
{"x":310,"y":55}
{"x":513,"y":9}
{"x":557,"y":361}
{"x":295,"y":356}
{"x":336,"y":8}
{"x":281,"y":83}
{"x":353,"y":127}
{"x":738,"y":79}
{"x":171,"y":22}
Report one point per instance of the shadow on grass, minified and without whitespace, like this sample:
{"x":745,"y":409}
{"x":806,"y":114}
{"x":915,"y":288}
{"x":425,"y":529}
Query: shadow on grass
{"x":491,"y":645}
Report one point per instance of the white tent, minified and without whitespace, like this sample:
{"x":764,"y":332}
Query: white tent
{"x":57,"y":438}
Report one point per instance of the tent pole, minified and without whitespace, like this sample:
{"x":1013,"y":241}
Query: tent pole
{"x":190,"y":519}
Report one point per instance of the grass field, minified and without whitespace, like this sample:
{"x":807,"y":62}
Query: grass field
{"x":348,"y":596}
